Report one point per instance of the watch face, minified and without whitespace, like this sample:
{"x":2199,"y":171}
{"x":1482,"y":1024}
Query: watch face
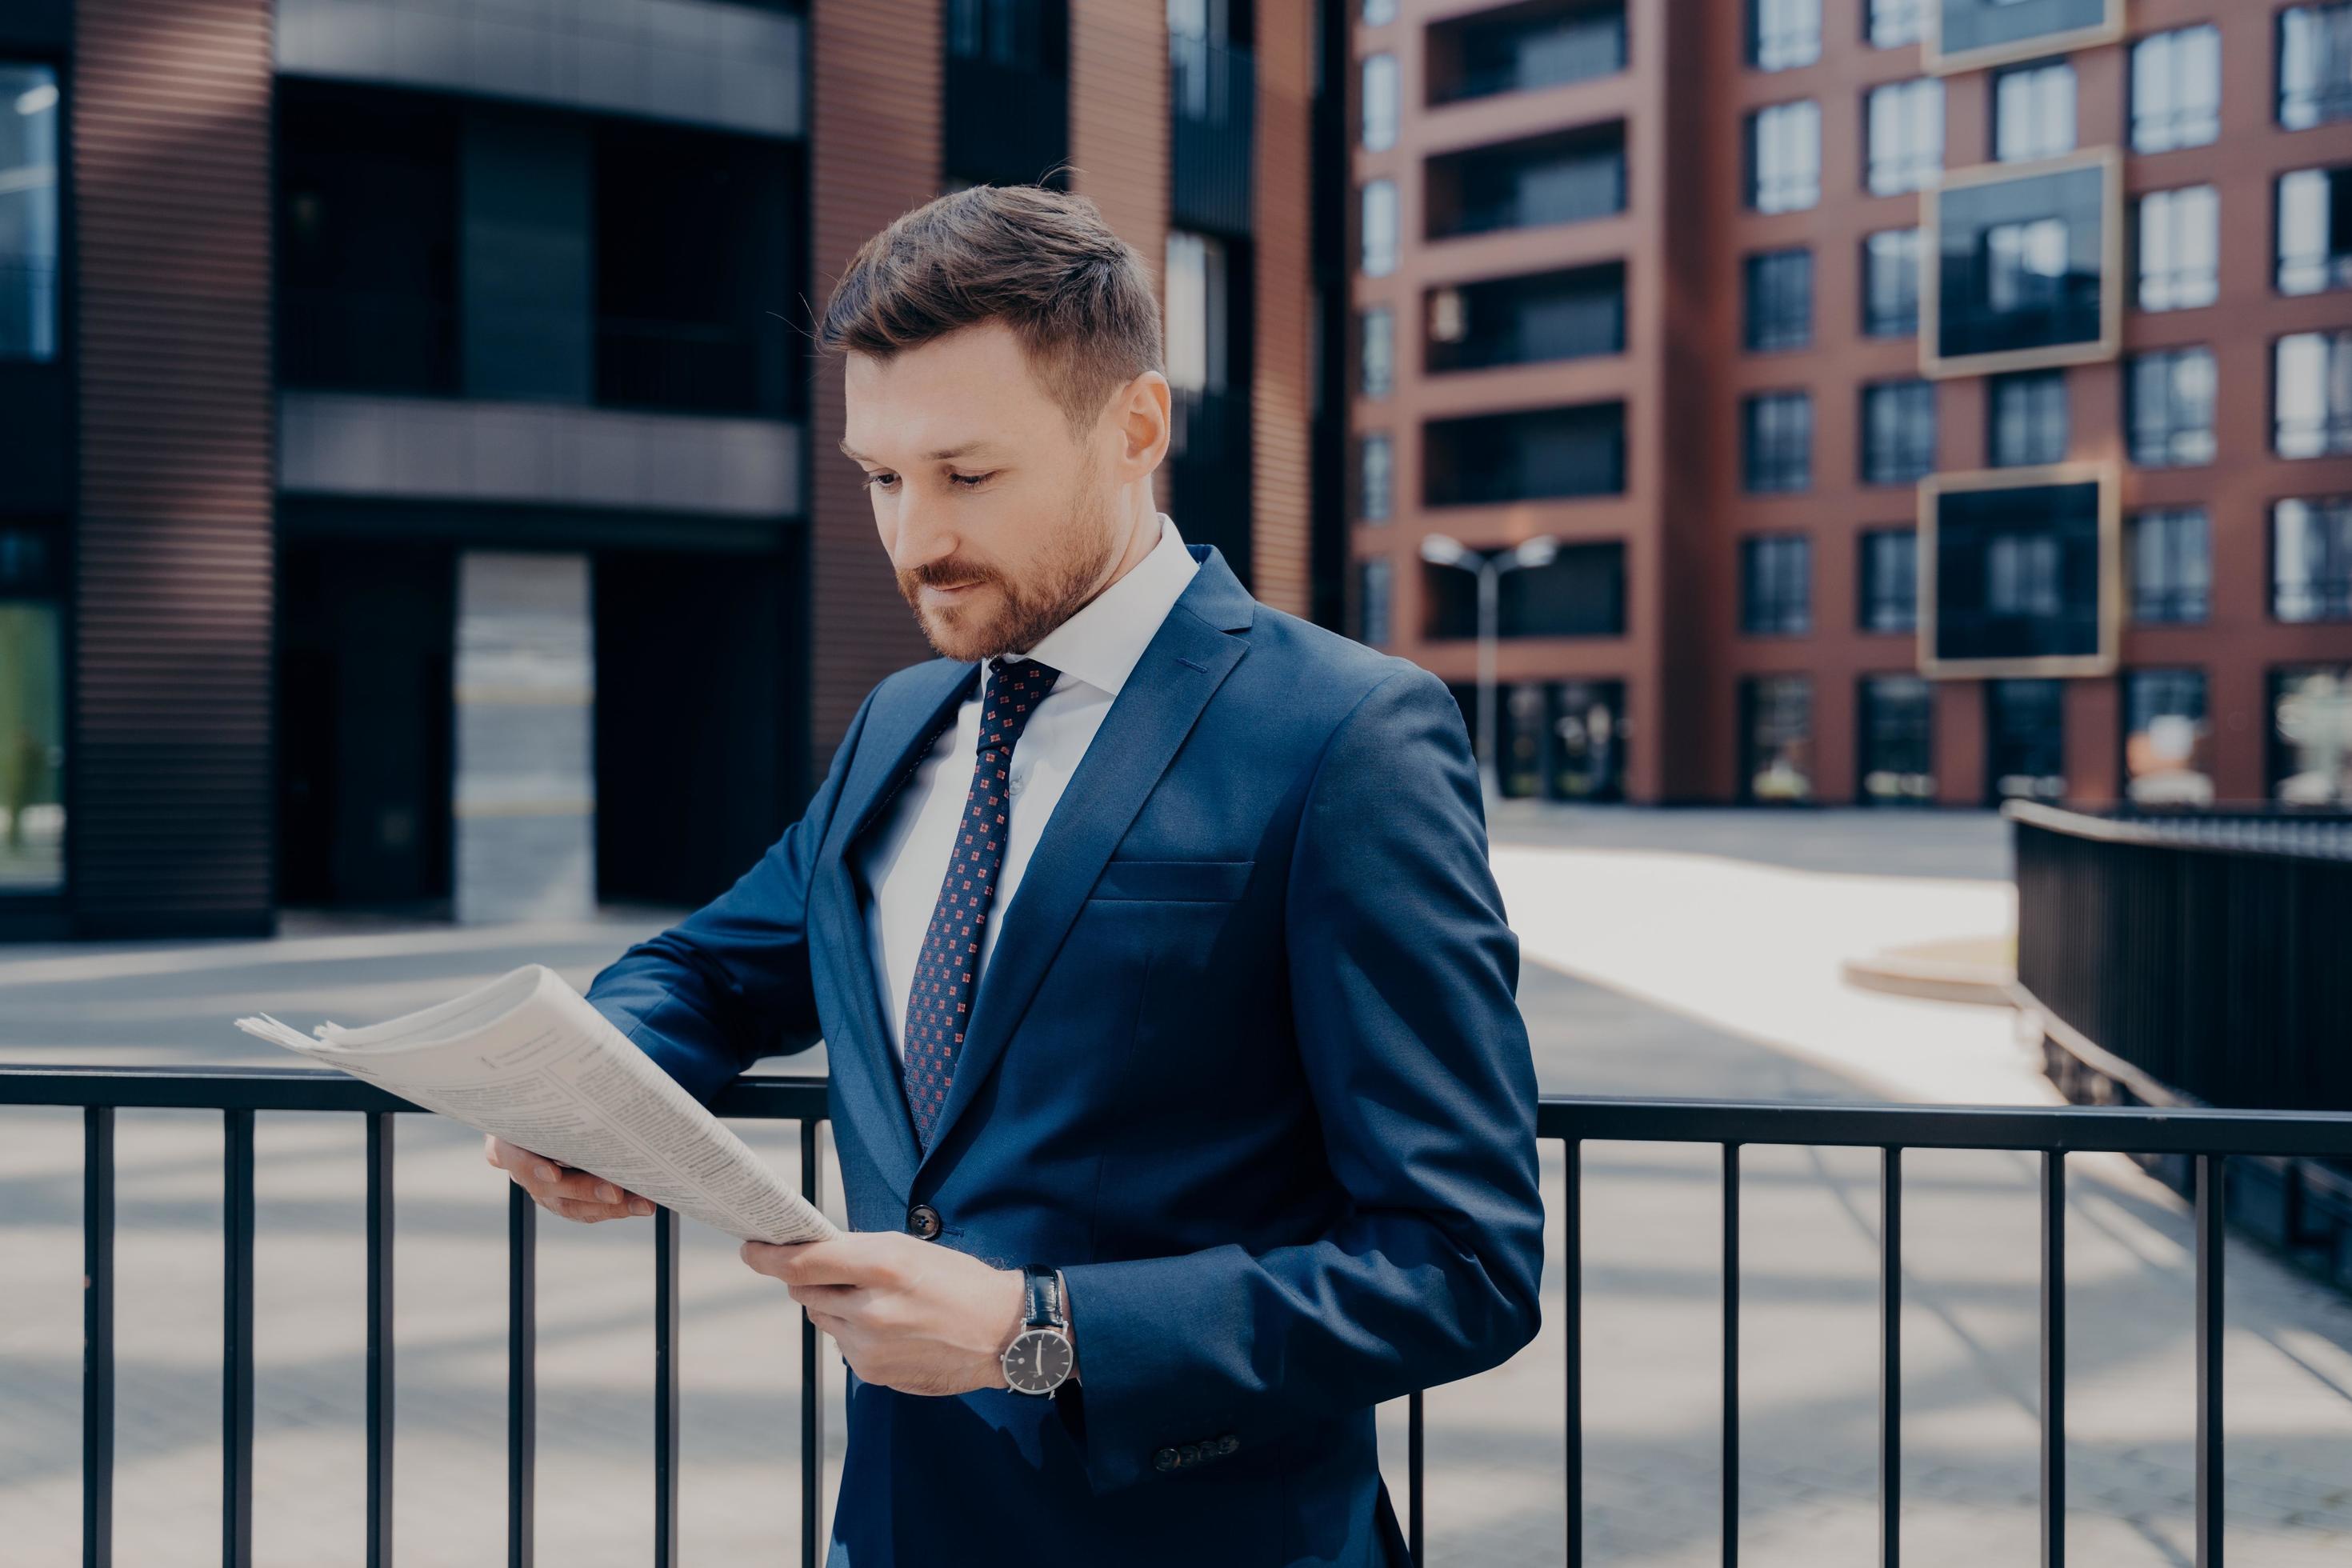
{"x":1037,"y":1361}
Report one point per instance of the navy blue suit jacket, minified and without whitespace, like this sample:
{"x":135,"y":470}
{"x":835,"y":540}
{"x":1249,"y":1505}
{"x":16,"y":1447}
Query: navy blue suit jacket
{"x":1245,"y":1062}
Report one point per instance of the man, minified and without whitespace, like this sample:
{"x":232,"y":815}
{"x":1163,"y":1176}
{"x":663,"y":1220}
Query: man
{"x":1184,"y":1106}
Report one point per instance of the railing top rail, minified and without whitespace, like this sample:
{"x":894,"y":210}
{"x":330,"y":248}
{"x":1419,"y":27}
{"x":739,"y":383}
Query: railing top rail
{"x":2137,"y":1130}
{"x":2287,"y":834}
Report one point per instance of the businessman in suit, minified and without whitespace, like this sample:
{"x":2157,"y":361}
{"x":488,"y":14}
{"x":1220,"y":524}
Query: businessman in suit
{"x":1182,"y":1102}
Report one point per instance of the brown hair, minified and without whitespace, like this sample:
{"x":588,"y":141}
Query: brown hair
{"x":1042,"y":261}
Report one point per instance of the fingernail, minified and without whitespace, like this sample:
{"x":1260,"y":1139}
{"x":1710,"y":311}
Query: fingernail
{"x":547,"y":1173}
{"x":641,"y":1206}
{"x":608,"y":1193}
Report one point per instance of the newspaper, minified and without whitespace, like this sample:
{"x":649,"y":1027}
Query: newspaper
{"x":526,"y":1058}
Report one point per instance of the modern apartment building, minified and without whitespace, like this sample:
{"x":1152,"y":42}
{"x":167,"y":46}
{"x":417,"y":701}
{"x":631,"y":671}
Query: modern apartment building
{"x":1906,"y":403}
{"x":416,"y":489}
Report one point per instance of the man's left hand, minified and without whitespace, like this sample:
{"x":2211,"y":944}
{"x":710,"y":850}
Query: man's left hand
{"x":909,"y":1314}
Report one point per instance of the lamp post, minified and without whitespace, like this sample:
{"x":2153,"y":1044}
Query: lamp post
{"x":1443,"y":550}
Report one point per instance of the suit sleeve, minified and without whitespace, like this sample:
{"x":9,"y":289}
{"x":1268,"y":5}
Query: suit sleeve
{"x":732,"y":981}
{"x":1404,"y":978}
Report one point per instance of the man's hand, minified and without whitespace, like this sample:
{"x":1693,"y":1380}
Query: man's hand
{"x":559,"y":1189}
{"x":910,"y":1315}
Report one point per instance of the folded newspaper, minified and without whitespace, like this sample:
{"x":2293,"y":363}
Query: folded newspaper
{"x":526,"y":1058}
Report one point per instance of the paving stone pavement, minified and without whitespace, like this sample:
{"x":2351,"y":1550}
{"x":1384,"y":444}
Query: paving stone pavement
{"x":1652,"y":1346}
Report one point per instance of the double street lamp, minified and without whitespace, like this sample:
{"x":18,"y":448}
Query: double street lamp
{"x":1442,"y":549}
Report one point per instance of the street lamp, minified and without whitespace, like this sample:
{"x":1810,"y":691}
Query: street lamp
{"x":1443,"y":550}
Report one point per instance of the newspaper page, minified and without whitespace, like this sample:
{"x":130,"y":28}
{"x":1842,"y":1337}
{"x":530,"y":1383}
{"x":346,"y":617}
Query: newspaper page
{"x":526,"y":1058}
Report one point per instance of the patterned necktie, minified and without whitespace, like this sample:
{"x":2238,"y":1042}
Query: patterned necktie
{"x":941,"y":999}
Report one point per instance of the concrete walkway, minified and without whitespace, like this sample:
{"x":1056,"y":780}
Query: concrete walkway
{"x":1677,"y":953}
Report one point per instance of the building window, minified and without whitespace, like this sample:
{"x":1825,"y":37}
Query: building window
{"x":2168,"y":410}
{"x":1897,"y":724}
{"x":29,"y":214}
{"x":2179,"y":249}
{"x":1776,"y":738}
{"x":1376,"y":351}
{"x":2311,"y":395}
{"x":1580,"y":592}
{"x":1898,"y":432}
{"x":1890,"y":283}
{"x":1377,"y":216}
{"x":1198,"y":319}
{"x":2025,"y":734}
{"x":2311,"y":559}
{"x":1783,"y":33}
{"x":1375,"y":477}
{"x":2034,"y":111}
{"x":1777,"y":441}
{"x":1588,"y":740}
{"x":1532,"y":453}
{"x":1522,"y":49}
{"x":1380,"y":102}
{"x":2167,"y":751}
{"x":1904,"y":127}
{"x":2018,"y":573}
{"x":2027,"y":420}
{"x":2315,"y":65}
{"x":1784,"y":157}
{"x":2171,"y":567}
{"x":2311,"y":736}
{"x":1894,"y":22}
{"x":1776,"y":593}
{"x":2175,"y":89}
{"x":1780,"y":296}
{"x":2315,"y":231}
{"x":1889,"y":580}
{"x":2022,"y":263}
{"x":1574,"y":313}
{"x":1557,"y":176}
{"x":32,"y":711}
{"x":1372,"y":615}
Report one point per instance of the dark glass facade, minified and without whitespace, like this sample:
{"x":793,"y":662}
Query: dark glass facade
{"x":2020,"y":263}
{"x":2017,"y":572}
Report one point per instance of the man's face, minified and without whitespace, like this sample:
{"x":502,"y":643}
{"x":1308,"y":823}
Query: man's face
{"x":1000,"y":523}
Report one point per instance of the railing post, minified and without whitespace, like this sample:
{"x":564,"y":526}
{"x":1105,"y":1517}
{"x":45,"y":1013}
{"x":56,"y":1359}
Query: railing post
{"x":2053,"y":1359}
{"x":1415,"y":1491}
{"x":1730,"y":1355}
{"x":812,"y":1383}
{"x":1890,"y":1356}
{"x":379,"y":1339}
{"x":1572,"y":1350}
{"x":522,"y":1372}
{"x":98,"y":1336}
{"x":665,"y":1432}
{"x":237,"y":1350}
{"x":2211,"y":1216}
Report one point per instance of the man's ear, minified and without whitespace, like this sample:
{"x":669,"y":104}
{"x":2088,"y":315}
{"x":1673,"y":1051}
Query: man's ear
{"x":1138,"y":411}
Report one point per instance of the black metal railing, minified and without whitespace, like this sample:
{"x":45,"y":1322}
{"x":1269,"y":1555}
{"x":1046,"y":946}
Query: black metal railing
{"x":2209,"y":1138}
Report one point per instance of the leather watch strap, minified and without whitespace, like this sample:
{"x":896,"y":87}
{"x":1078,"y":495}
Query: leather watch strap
{"x":1044,"y":1296}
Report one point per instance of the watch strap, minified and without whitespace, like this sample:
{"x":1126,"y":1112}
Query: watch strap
{"x":1044,"y":1285}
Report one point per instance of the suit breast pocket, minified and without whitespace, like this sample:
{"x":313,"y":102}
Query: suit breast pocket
{"x":1172,"y":881}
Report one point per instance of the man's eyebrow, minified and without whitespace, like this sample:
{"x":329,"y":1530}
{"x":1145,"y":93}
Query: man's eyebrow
{"x":942,"y":456}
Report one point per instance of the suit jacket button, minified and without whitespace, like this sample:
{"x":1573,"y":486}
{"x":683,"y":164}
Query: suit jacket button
{"x":1228,"y":1443}
{"x":923,"y":1220}
{"x":1190,"y":1453}
{"x":1166,"y":1459}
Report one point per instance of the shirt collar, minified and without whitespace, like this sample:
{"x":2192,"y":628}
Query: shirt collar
{"x":1102,"y":644}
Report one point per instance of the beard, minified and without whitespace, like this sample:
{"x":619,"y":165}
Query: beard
{"x":999,"y":616}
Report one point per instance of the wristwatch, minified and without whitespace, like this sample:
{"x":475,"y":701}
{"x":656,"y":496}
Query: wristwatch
{"x":1040,"y":1357}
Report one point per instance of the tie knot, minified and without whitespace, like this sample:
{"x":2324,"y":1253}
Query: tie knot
{"x":1015,"y":687}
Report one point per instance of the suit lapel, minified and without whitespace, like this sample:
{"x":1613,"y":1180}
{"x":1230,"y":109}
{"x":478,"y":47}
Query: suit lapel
{"x":1181,"y":668}
{"x":865,"y":1074}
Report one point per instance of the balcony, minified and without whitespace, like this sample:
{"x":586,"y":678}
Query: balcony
{"x":1208,"y":467}
{"x":1524,"y":49}
{"x":1007,"y":121}
{"x":1560,"y":178}
{"x":1534,"y":454}
{"x":1213,"y":119}
{"x":1539,"y":318}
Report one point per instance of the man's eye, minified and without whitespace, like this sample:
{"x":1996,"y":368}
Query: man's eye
{"x":881,"y":482}
{"x":972,"y":481}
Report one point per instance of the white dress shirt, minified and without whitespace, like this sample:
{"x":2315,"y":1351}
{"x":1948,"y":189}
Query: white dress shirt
{"x":904,"y":857}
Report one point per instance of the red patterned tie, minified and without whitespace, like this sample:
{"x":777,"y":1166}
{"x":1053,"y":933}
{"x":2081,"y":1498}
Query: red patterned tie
{"x":940,"y":1000}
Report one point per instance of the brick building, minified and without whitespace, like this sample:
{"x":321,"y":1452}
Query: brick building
{"x":402,"y":404}
{"x":1910,"y":403}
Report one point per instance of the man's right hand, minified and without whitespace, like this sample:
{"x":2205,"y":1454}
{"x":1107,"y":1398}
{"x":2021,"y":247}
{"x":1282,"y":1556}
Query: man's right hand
{"x":559,"y":1189}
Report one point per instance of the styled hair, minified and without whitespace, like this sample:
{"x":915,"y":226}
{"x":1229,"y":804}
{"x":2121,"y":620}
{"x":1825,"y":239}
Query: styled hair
{"x":1044,"y":262}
